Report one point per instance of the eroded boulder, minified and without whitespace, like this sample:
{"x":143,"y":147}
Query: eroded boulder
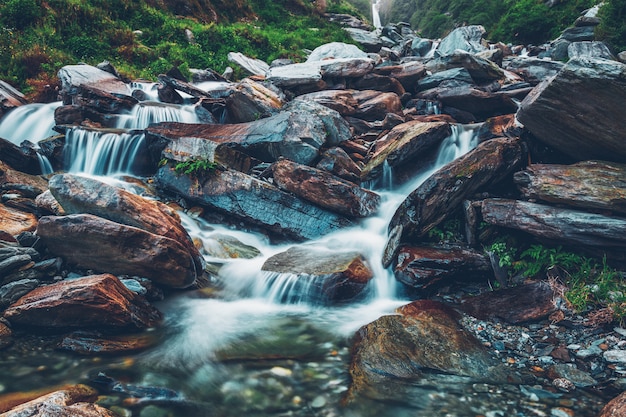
{"x":325,"y":190}
{"x":95,"y":243}
{"x":591,"y":89}
{"x":92,"y":301}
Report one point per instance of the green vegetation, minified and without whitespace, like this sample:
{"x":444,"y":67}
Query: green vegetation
{"x":590,"y":284}
{"x":195,"y":167}
{"x":517,"y":21}
{"x":143,"y":38}
{"x":613,"y":26}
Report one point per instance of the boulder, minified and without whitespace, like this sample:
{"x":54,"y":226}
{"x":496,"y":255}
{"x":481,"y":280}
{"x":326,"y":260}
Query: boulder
{"x":465,"y":38}
{"x":426,"y":267}
{"x":249,"y":101}
{"x":92,"y":97}
{"x":482,"y":70}
{"x":482,"y":104}
{"x":251,"y":65}
{"x":338,"y":162}
{"x":458,"y":75}
{"x":14,"y":290}
{"x":83,"y":195}
{"x":74,"y":76}
{"x":407,"y":73}
{"x":72,"y":401}
{"x":403,"y":144}
{"x":422,"y":345}
{"x":369,"y":40}
{"x":319,"y":275}
{"x":533,"y":70}
{"x":91,"y":301}
{"x":615,"y":407}
{"x":520,"y":304}
{"x":336,"y":50}
{"x":296,"y":135}
{"x":27,"y":185}
{"x":21,"y":158}
{"x":244,"y":198}
{"x":324,"y":189}
{"x":367,"y":104}
{"x":561,"y":225}
{"x":337,"y":128}
{"x":346,"y":67}
{"x":578,"y":33}
{"x":95,"y":243}
{"x":377,"y":82}
{"x":444,"y":191}
{"x":589,"y":50}
{"x":594,"y":185}
{"x":305,"y":74}
{"x":591,"y":89}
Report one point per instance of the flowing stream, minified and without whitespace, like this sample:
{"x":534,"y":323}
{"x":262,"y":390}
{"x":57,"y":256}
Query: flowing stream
{"x":259,"y":345}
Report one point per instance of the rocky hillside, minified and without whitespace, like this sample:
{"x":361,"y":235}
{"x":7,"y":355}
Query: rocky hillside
{"x":526,"y":21}
{"x":147,"y":37}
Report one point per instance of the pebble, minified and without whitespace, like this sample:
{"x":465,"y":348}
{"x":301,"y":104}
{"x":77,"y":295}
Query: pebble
{"x":318,"y":402}
{"x":615,"y":356}
{"x":278,"y":371}
{"x":564,"y":384}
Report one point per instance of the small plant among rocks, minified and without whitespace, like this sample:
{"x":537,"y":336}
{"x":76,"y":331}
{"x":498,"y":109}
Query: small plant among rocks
{"x":195,"y":167}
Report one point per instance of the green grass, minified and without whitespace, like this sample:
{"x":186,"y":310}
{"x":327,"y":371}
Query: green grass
{"x":142,"y":40}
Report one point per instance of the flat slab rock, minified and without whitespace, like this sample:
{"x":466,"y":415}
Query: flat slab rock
{"x":523,"y":303}
{"x":92,"y":301}
{"x":595,"y":185}
{"x":324,"y":189}
{"x":557,"y":224}
{"x":245,"y":198}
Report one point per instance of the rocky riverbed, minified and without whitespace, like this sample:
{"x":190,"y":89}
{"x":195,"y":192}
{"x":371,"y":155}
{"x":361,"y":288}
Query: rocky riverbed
{"x":281,"y":245}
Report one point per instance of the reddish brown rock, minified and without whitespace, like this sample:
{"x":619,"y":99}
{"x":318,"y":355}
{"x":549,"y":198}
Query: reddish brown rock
{"x":73,"y":401}
{"x":444,"y":191}
{"x":322,"y":276}
{"x":27,"y":185}
{"x":338,"y":162}
{"x":367,"y":104}
{"x":404,"y":143}
{"x":594,"y":185}
{"x":615,"y":408}
{"x":94,"y":344}
{"x":324,"y":189}
{"x":424,"y":267}
{"x":10,"y":98}
{"x":14,"y":222}
{"x":93,"y":301}
{"x":102,"y":245}
{"x":422,"y":344}
{"x":78,"y":195}
{"x":21,"y":158}
{"x":528,"y":302}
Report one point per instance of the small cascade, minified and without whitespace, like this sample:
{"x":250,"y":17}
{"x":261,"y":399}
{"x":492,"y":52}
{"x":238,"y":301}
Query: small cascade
{"x":44,"y":164}
{"x":146,"y":113}
{"x":31,"y":122}
{"x":375,"y":15}
{"x":146,"y":89}
{"x":101,"y":153}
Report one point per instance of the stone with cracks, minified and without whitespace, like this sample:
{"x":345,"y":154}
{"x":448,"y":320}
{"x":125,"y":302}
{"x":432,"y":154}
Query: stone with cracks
{"x":465,"y":38}
{"x":78,"y":195}
{"x":244,"y":198}
{"x":580,"y":112}
{"x":74,"y":76}
{"x":557,"y":224}
{"x":368,"y":105}
{"x":325,"y":190}
{"x":595,"y":185}
{"x":421,"y":345}
{"x":92,"y":301}
{"x":444,"y":191}
{"x":95,"y":243}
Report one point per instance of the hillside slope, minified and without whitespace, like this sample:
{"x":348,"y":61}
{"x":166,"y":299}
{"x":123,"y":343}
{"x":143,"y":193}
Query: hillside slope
{"x":143,"y":38}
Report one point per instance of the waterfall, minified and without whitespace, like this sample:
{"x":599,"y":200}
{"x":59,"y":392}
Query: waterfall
{"x":31,"y":122}
{"x":146,"y":113}
{"x":375,"y":14}
{"x":101,"y":153}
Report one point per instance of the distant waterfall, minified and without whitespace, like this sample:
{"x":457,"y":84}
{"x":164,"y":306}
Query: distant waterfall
{"x":375,"y":15}
{"x":101,"y":153}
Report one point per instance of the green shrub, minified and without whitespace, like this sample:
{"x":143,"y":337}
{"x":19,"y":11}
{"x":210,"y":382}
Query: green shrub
{"x":612,"y":28}
{"x":19,"y":14}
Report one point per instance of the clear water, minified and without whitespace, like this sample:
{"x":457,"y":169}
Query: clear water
{"x":31,"y":122}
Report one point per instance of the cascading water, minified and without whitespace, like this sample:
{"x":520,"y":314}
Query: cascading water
{"x":147,"y":113}
{"x":375,"y":15}
{"x":101,"y":153}
{"x":31,"y":122}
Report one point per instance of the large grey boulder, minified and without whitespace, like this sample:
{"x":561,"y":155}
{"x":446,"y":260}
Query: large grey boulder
{"x":74,"y":76}
{"x":251,"y":65}
{"x":335,"y":50}
{"x":589,"y":49}
{"x":465,"y":38}
{"x":581,"y":111}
